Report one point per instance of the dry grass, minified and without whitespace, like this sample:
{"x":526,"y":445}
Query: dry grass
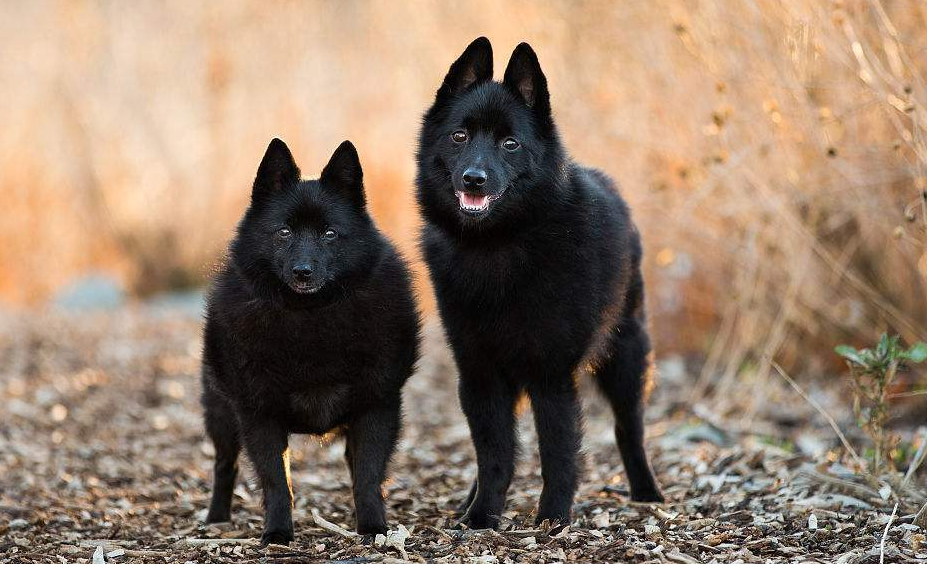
{"x":774,"y":152}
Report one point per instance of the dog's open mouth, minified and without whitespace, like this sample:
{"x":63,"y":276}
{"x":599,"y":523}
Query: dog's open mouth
{"x":306,"y":287}
{"x":475,"y":203}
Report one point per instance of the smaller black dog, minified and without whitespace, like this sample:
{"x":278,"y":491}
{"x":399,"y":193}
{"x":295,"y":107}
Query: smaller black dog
{"x":310,"y":327}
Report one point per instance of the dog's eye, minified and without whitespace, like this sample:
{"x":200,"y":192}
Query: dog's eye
{"x":459,"y":136}
{"x":511,"y":144}
{"x":284,"y":232}
{"x":329,"y":234}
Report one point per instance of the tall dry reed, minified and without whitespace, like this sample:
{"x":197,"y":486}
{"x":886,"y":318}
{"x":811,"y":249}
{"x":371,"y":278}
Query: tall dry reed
{"x":774,"y":152}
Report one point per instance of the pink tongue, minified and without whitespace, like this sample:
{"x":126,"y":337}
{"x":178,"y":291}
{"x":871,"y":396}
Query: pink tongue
{"x":475,"y":200}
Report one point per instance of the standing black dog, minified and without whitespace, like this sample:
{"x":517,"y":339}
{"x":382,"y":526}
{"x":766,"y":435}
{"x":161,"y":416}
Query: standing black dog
{"x":536,"y":266}
{"x":311,"y":327}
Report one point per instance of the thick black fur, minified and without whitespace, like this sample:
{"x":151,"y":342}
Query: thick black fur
{"x":311,"y":327}
{"x":542,"y":284}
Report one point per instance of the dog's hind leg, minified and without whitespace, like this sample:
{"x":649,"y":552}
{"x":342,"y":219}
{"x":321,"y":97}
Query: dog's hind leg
{"x":222,"y":428}
{"x":624,"y":377}
{"x":462,"y":508}
{"x":349,"y":458}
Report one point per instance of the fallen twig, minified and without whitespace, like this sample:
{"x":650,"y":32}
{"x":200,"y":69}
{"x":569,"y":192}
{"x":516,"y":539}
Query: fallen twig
{"x":907,"y":394}
{"x":201,"y":542}
{"x":523,"y":533}
{"x":331,"y":527}
{"x":821,"y":410}
{"x":921,"y":518}
{"x":660,"y":513}
{"x":858,"y":490}
{"x":916,"y":461}
{"x":15,"y":510}
{"x":437,"y":531}
{"x":885,"y":535}
{"x":144,"y":553}
{"x":93,"y":543}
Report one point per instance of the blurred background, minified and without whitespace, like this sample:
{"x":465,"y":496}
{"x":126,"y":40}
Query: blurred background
{"x":773,"y":153}
{"x":775,"y":157}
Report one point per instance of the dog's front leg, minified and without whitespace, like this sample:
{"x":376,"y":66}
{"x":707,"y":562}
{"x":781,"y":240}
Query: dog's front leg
{"x":266,"y":444}
{"x":371,"y":438}
{"x":489,"y":405}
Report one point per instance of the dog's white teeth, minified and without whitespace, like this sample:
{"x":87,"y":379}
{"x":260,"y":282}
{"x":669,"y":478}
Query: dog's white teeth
{"x":472,"y":202}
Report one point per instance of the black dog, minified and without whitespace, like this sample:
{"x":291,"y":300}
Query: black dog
{"x":536,"y":267}
{"x":310,"y":327}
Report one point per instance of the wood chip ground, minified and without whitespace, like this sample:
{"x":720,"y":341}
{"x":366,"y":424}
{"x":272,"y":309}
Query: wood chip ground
{"x":103,"y":459}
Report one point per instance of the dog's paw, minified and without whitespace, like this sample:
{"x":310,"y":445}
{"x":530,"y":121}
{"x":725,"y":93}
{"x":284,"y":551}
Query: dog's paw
{"x":480,"y":520}
{"x":218,"y":517}
{"x":277,"y":537}
{"x":371,"y":529}
{"x":647,"y":496}
{"x":369,"y":539}
{"x":553,"y":518}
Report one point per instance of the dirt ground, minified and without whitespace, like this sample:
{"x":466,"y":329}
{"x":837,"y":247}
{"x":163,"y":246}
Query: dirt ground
{"x":103,"y":459}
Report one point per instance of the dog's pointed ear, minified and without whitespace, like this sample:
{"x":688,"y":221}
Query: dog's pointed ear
{"x":472,"y":67}
{"x":343,"y":174}
{"x":524,"y":77}
{"x":277,"y":171}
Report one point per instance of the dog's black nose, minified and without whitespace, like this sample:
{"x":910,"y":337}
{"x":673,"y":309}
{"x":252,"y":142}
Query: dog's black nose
{"x":302,"y":271}
{"x":474,"y":177}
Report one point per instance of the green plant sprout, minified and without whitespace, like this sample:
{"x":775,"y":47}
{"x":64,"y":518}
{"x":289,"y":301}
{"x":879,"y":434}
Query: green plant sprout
{"x":873,"y":371}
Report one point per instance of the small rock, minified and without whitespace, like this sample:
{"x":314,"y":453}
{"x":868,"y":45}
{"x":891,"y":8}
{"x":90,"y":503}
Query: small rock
{"x":885,"y":492}
{"x":811,"y":444}
{"x":672,"y":369}
{"x":651,"y":530}
{"x":190,"y":303}
{"x":98,"y":557}
{"x":397,"y":539}
{"x":601,"y":520}
{"x":700,"y":432}
{"x":18,"y":524}
{"x":696,"y":524}
{"x":94,"y":292}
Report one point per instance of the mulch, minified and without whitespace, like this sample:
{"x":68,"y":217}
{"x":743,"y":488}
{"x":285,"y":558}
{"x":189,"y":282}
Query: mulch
{"x":103,"y":459}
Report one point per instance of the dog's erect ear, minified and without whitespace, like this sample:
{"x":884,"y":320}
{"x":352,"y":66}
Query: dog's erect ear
{"x":277,"y":172}
{"x":343,"y":174}
{"x":524,"y":77}
{"x":473,"y":66}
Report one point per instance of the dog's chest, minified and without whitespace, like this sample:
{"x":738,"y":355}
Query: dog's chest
{"x":320,"y":409}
